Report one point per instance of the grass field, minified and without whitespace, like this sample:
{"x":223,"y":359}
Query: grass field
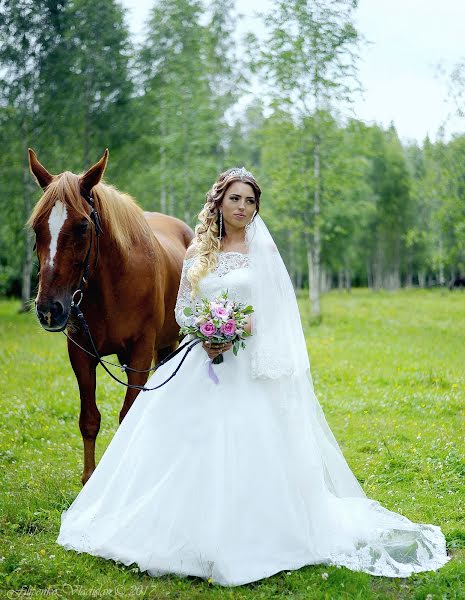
{"x":389,"y":371}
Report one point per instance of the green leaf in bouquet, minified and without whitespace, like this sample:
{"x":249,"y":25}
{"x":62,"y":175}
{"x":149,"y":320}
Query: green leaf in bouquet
{"x":235,"y":349}
{"x":248,"y":310}
{"x":246,"y":333}
{"x":187,"y":311}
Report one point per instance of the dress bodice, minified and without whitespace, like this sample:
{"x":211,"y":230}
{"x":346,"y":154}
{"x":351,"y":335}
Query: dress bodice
{"x":231,"y":274}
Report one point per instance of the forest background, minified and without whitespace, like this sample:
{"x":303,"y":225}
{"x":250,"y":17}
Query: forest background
{"x":349,"y":204}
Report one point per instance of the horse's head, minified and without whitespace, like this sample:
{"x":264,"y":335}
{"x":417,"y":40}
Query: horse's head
{"x":63,"y":229}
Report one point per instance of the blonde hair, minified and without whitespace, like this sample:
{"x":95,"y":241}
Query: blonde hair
{"x":120,"y":214}
{"x":206,"y":243}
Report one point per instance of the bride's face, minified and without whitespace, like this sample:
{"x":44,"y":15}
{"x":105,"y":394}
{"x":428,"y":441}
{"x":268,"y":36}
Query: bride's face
{"x":238,"y":205}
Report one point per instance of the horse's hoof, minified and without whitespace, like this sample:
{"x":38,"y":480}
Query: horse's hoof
{"x":85,"y":477}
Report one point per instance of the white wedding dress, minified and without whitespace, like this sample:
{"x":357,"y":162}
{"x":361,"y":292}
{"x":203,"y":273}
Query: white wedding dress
{"x":225,"y":481}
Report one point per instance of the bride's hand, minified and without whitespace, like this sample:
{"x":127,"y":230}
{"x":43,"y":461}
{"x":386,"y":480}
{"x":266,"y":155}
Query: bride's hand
{"x":214,"y":349}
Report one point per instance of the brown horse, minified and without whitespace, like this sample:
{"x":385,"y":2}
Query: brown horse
{"x":130,"y":291}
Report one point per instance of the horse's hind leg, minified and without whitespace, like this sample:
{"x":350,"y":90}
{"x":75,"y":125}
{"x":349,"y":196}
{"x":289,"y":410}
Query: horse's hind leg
{"x":162,"y":353}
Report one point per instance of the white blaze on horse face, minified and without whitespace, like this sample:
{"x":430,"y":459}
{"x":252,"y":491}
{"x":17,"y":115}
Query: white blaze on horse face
{"x":56,"y":221}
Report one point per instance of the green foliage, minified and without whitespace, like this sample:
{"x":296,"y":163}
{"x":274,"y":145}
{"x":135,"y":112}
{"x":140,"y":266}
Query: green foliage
{"x":64,"y":88}
{"x":74,"y":83}
{"x":310,"y":53}
{"x":188,"y":82}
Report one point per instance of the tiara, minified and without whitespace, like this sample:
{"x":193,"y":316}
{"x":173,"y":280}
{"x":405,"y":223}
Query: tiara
{"x":242,"y":172}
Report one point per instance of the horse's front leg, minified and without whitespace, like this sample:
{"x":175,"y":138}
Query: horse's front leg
{"x":84,"y":368}
{"x":140,"y":357}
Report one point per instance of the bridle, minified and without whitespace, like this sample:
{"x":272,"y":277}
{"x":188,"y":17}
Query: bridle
{"x":97,"y":228}
{"x":98,"y":232}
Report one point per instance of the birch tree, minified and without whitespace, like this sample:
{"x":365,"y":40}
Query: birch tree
{"x":309,"y":60}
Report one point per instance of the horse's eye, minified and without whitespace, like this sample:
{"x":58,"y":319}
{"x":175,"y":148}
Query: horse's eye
{"x":81,"y":227}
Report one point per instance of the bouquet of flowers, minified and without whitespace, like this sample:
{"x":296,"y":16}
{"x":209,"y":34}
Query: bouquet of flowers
{"x":219,"y":321}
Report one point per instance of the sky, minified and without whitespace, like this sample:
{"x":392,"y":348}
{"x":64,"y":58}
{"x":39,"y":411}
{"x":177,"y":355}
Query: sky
{"x":404,"y":69}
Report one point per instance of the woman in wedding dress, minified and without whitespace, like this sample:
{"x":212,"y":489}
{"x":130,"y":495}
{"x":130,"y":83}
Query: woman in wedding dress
{"x":235,"y":476}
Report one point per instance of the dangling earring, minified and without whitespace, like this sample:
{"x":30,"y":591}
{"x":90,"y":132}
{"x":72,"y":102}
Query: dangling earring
{"x":221,"y":225}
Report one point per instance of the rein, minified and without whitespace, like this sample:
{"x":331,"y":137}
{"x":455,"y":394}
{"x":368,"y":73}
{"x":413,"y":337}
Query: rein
{"x":75,"y":306}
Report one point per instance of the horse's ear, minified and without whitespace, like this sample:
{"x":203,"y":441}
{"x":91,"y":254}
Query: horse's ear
{"x":42,"y":176}
{"x":94,"y":174}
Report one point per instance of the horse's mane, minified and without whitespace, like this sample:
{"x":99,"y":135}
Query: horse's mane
{"x":121,"y":217}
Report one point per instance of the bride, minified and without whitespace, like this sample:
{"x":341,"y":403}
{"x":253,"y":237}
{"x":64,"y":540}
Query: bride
{"x":235,"y":475}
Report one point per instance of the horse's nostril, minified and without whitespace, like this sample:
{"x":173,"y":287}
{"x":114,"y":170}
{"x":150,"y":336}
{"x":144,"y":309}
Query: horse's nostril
{"x":41,"y":315}
{"x":56,"y":309}
{"x":51,"y":312}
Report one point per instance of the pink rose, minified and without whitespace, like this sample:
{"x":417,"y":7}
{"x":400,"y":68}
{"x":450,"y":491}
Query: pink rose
{"x":221,"y":312}
{"x":229,"y":328}
{"x":208,"y":328}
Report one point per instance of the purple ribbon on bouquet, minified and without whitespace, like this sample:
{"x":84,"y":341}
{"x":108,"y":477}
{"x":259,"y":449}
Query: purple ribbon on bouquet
{"x":211,"y":373}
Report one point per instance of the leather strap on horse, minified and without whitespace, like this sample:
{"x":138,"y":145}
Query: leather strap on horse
{"x":98,"y":231}
{"x":188,"y":345}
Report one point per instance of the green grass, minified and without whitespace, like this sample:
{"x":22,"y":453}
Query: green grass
{"x":388,"y":369}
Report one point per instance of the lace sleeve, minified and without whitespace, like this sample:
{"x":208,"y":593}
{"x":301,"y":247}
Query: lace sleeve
{"x":184,"y":295}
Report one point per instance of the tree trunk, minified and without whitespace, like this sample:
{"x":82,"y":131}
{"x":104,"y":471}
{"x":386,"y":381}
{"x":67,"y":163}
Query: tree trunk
{"x":325,"y":280}
{"x":390,"y":280}
{"x":87,"y":122}
{"x":171,"y":206}
{"x":393,"y":280}
{"x":329,"y":281}
{"x":369,"y":274}
{"x":187,"y":121}
{"x":378,"y":264}
{"x":299,"y":279}
{"x":421,"y":279}
{"x":292,"y":270}
{"x":441,"y":264}
{"x":163,"y":207}
{"x":28,"y":243}
{"x":315,"y":250}
{"x":348,"y":279}
{"x":313,"y":283}
{"x":409,"y":278}
{"x":395,"y":276}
